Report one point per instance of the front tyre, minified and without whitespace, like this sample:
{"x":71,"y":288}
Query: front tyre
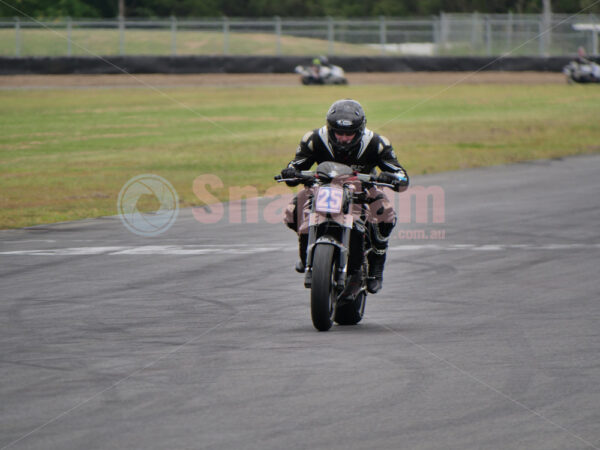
{"x":322,"y":294}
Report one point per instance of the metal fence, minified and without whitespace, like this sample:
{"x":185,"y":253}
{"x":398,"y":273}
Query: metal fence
{"x":447,"y":34}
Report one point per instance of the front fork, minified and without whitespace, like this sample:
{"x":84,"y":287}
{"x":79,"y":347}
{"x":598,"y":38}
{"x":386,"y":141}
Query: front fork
{"x":341,"y":254}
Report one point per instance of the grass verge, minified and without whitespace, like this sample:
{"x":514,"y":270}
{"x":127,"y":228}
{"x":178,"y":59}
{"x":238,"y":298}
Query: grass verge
{"x":65,"y":154}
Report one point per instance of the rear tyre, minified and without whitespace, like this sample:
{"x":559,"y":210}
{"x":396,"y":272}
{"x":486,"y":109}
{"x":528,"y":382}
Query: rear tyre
{"x":322,"y":294}
{"x":351,"y":313}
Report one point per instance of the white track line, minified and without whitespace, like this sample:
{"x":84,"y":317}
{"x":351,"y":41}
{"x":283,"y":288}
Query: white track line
{"x":265,"y":248}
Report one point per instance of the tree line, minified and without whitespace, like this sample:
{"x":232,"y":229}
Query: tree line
{"x":283,"y":8}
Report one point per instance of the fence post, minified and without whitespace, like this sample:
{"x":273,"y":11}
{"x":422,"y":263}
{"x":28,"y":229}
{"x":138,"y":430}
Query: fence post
{"x":17,"y":36}
{"x":435,"y":30}
{"x":444,"y":30}
{"x":382,"y":34}
{"x":488,"y":35}
{"x":278,"y":35}
{"x":595,"y":33}
{"x":547,"y":25}
{"x":330,"y":35}
{"x":69,"y":36}
{"x":509,"y":32}
{"x":225,"y":36}
{"x":541,"y":40}
{"x":173,"y":36}
{"x":121,"y":35}
{"x":474,"y":32}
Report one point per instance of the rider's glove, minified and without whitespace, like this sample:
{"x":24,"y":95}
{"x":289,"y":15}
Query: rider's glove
{"x":397,"y":179}
{"x":288,"y":172}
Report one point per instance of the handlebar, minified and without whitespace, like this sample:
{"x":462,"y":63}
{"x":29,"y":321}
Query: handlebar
{"x":304,"y":175}
{"x":308,"y":176}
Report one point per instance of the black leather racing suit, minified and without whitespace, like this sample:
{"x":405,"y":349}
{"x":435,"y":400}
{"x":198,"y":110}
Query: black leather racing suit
{"x":369,"y":152}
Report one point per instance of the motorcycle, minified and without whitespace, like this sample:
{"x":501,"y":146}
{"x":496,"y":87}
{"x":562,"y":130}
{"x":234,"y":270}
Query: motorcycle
{"x":337,"y":196}
{"x":332,"y":75}
{"x":578,"y":72}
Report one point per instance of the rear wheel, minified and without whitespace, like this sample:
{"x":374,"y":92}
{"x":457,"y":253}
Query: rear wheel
{"x":322,"y":294}
{"x":351,"y":313}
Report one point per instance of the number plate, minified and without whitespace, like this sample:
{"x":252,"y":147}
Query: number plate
{"x":329,"y":199}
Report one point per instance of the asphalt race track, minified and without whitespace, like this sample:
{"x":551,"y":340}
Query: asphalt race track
{"x":484,"y":338}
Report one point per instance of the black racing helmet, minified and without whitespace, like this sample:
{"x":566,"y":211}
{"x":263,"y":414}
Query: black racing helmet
{"x":345,"y":117}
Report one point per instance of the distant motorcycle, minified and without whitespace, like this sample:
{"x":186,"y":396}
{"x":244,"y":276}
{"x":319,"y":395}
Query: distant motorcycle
{"x":329,"y":75}
{"x":578,"y":72}
{"x":334,"y":189}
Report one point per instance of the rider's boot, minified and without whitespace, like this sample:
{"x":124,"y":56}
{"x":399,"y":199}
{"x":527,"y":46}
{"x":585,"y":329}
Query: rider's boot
{"x":376,"y":265}
{"x":353,"y":285}
{"x":376,"y":258}
{"x":354,"y":282}
{"x":302,"y":245}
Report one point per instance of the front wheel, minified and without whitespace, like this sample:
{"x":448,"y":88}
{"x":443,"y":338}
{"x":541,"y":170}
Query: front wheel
{"x":322,"y":294}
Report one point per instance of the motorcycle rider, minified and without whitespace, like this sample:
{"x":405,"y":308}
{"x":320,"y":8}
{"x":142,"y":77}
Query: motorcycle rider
{"x":320,"y":69}
{"x":584,"y":70}
{"x":345,"y":139}
{"x":581,"y":57}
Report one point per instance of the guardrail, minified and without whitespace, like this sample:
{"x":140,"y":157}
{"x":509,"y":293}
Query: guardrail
{"x":444,"y":35}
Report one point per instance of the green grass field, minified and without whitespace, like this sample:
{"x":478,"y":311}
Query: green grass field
{"x":65,"y":154}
